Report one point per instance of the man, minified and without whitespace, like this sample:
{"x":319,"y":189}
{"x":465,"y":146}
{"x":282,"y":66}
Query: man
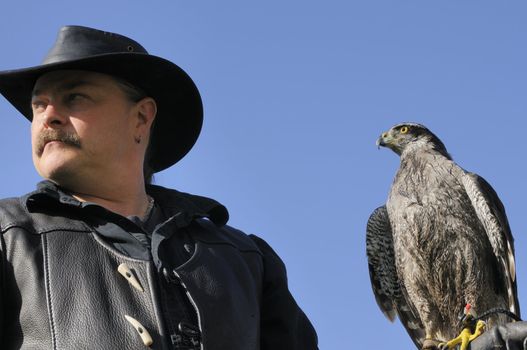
{"x":96,"y":258}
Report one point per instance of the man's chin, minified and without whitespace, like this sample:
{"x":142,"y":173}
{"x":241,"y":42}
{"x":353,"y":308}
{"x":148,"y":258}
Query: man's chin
{"x":61,"y":175}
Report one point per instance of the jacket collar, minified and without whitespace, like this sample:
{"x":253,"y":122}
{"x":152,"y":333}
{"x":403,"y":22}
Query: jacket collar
{"x":196,"y":206}
{"x":173,"y":201}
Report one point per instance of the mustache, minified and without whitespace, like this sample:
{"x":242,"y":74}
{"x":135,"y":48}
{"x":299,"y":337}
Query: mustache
{"x":46,"y":136}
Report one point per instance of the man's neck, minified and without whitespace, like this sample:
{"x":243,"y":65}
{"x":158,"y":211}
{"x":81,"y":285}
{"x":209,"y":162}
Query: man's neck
{"x":124,"y":194}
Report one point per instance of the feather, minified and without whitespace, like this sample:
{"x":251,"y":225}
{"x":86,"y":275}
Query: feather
{"x":491,"y":213}
{"x":389,"y":294}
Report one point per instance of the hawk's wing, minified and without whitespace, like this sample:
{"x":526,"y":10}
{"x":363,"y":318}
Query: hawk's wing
{"x":491,"y":214}
{"x":389,"y":292}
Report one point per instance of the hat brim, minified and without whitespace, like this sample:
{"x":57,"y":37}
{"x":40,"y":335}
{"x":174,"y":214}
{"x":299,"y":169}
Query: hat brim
{"x":179,"y":108}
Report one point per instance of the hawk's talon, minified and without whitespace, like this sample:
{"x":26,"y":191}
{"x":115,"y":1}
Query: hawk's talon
{"x":464,"y":338}
{"x":442,"y":346}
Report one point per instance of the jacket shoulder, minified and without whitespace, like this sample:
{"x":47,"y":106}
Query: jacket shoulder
{"x":13,"y":213}
{"x":19,"y":212}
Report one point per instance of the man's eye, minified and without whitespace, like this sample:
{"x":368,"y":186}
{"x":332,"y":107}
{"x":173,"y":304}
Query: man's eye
{"x":74,"y":97}
{"x":38,"y":105}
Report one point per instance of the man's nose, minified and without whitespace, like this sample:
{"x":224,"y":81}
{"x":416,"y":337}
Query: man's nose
{"x":52,"y":116}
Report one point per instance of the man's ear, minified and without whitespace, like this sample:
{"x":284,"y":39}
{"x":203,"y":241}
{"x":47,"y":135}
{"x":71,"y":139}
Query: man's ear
{"x":146,"y":111}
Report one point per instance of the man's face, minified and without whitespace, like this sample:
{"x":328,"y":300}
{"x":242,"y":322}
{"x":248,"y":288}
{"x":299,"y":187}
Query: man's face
{"x":83,"y":127}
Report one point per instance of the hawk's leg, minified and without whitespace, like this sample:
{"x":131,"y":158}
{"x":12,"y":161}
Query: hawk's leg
{"x":465,"y":337}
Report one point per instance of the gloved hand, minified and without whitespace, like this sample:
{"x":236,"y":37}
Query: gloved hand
{"x":511,"y":336}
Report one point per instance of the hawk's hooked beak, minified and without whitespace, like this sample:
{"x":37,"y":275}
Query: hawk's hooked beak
{"x":381,"y":141}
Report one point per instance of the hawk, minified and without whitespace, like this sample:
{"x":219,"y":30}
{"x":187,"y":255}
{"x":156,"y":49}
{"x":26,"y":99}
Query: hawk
{"x":442,"y":241}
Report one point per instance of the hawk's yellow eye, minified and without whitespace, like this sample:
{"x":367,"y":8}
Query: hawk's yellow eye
{"x":404,"y":130}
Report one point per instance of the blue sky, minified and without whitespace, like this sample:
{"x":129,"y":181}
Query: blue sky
{"x":295,"y":95}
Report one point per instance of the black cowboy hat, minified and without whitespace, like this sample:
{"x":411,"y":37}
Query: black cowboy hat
{"x":179,"y":108}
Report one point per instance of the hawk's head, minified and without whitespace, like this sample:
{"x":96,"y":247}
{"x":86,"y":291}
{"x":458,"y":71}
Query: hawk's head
{"x":405,"y":136}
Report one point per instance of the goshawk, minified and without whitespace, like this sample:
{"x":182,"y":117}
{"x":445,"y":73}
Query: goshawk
{"x":442,"y":241}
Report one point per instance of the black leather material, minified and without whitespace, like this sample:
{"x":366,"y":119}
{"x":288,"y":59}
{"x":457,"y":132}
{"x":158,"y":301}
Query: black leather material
{"x":238,"y":261}
{"x":512,"y":336}
{"x":89,"y":299}
{"x":61,"y":289}
{"x":76,"y":42}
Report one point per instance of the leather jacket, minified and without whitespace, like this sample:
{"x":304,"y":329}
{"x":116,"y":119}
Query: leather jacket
{"x":61,"y":288}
